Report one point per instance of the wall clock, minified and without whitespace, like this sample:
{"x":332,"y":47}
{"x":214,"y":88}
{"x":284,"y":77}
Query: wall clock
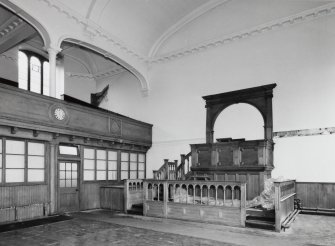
{"x":59,"y":114}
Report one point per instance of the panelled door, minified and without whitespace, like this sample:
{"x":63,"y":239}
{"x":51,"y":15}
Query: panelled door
{"x":68,"y":183}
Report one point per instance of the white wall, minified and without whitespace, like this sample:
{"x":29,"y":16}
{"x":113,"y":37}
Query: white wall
{"x":299,"y":58}
{"x":77,"y":81}
{"x":8,"y":65}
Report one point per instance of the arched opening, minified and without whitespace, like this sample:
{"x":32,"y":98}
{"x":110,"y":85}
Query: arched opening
{"x":239,"y":121}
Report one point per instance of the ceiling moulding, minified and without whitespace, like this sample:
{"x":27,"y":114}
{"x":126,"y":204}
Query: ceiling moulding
{"x":99,"y":75}
{"x":305,"y":16}
{"x":91,"y":29}
{"x":203,"y":9}
{"x":9,"y":26}
{"x":79,"y":75}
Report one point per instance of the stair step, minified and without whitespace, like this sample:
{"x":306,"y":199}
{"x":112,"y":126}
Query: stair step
{"x":268,"y":225}
{"x":260,"y":218}
{"x":136,"y":212}
{"x":139,"y":206}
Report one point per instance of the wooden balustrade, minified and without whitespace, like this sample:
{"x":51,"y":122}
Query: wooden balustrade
{"x":173,"y":171}
{"x":284,"y":201}
{"x":133,"y":193}
{"x":210,"y":201}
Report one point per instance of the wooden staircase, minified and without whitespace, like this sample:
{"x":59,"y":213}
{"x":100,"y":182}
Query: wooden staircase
{"x":173,"y":171}
{"x":260,"y":218}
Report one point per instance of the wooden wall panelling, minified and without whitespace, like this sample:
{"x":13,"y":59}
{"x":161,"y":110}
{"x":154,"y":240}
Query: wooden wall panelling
{"x":90,"y":195}
{"x":316,"y":195}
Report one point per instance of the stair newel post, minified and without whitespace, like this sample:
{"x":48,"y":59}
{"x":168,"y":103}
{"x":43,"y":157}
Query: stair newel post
{"x":166,"y":165}
{"x":155,"y":174}
{"x":175,"y":169}
{"x":277,"y":206}
{"x":182,"y":164}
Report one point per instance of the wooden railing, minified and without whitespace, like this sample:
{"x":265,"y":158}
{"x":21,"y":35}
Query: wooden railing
{"x":133,"y":193}
{"x":284,"y":201}
{"x":173,"y":171}
{"x":210,"y":201}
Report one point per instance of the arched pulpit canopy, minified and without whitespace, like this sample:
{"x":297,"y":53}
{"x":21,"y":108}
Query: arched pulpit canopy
{"x":260,"y":97}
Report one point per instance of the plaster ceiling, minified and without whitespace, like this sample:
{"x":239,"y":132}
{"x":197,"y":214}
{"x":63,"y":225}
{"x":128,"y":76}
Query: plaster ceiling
{"x":152,"y":27}
{"x":157,"y":29}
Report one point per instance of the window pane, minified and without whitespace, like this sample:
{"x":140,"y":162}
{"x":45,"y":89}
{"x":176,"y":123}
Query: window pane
{"x":140,"y":175}
{"x":23,"y":71}
{"x":101,"y":165}
{"x":74,"y":175}
{"x":124,"y":175}
{"x":74,"y":183}
{"x":89,"y":164}
{"x":68,"y":174}
{"x":124,"y":156}
{"x":14,"y":147}
{"x":46,"y":81}
{"x":133,"y":175}
{"x":141,"y":166}
{"x":68,"y":183}
{"x":124,"y":165}
{"x":0,"y":145}
{"x":35,"y":162}
{"x":88,"y":175}
{"x":14,"y":175}
{"x":133,"y":157}
{"x":62,"y":166}
{"x":112,"y":155}
{"x":35,"y":175}
{"x":0,"y":160}
{"x":89,"y":153}
{"x":68,"y":150}
{"x":133,"y":166}
{"x":74,"y":166}
{"x":101,"y":175}
{"x":35,"y":148}
{"x":141,"y":157}
{"x":112,"y":165}
{"x":62,"y":175}
{"x":14,"y":161}
{"x":101,"y":154}
{"x":61,"y":183}
{"x":35,"y":75}
{"x":112,"y":175}
{"x":0,"y":175}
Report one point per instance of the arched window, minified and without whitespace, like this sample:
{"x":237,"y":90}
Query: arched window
{"x":33,"y":72}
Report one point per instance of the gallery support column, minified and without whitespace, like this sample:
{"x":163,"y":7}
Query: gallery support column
{"x":52,"y":65}
{"x":53,"y":180}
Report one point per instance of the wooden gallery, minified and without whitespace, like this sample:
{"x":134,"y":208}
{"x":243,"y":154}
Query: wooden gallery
{"x":56,"y":155}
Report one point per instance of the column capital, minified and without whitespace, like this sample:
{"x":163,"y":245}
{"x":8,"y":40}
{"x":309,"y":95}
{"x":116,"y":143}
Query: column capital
{"x":52,"y":49}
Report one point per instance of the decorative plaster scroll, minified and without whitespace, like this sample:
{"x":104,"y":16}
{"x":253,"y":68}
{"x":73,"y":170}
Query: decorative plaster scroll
{"x":308,"y":15}
{"x":100,"y":75}
{"x":90,"y":28}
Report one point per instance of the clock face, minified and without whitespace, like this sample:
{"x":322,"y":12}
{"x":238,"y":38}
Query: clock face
{"x":59,"y":114}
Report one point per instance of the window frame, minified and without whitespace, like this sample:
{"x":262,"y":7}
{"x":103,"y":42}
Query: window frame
{"x":42,"y":59}
{"x":3,"y":182}
{"x":137,"y":164}
{"x":96,"y":149}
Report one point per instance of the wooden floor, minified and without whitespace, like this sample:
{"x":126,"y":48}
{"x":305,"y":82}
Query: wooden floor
{"x":102,"y":227}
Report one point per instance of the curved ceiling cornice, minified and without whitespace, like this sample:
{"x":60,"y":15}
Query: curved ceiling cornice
{"x":301,"y":17}
{"x":203,"y":9}
{"x":91,"y":28}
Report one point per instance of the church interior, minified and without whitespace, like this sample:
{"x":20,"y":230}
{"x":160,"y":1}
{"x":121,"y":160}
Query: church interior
{"x":216,"y":112}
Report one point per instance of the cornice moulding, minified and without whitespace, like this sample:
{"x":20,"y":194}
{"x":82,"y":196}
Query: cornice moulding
{"x":304,"y":16}
{"x":91,"y":29}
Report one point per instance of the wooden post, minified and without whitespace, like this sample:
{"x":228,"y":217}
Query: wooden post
{"x":165,"y":199}
{"x":53,"y":181}
{"x":145,"y":197}
{"x":166,"y":164}
{"x":125,"y":194}
{"x":175,"y":169}
{"x":277,"y":207}
{"x":243,"y":203}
